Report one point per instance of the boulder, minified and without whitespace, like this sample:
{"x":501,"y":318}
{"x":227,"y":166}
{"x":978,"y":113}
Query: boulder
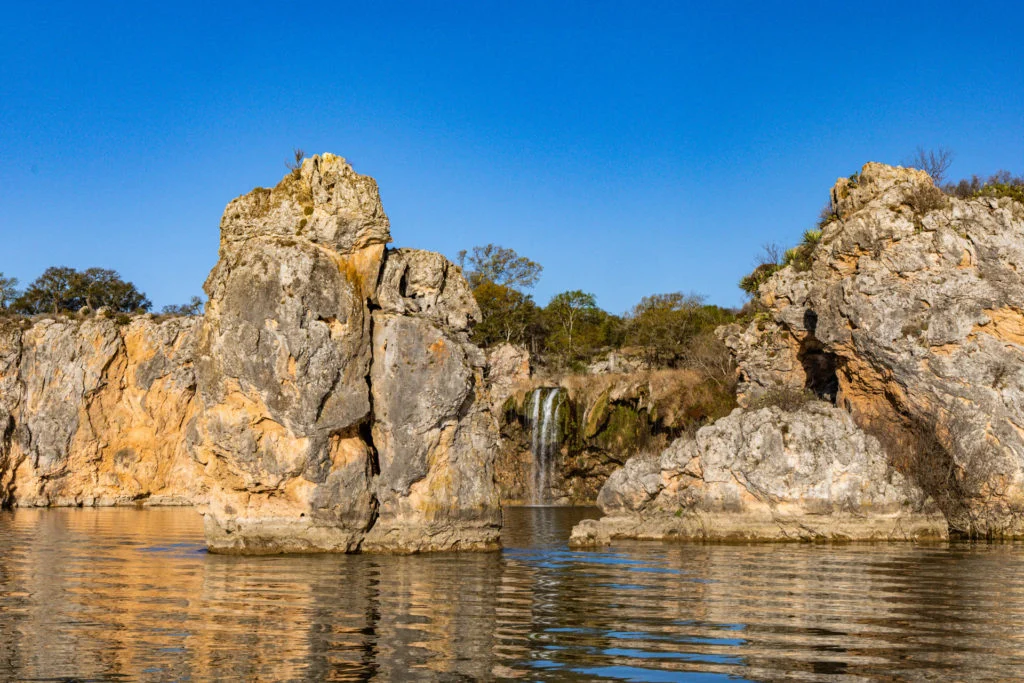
{"x":765,"y":475}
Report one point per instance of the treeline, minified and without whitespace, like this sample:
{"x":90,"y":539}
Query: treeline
{"x":570,"y":332}
{"x":66,"y":290}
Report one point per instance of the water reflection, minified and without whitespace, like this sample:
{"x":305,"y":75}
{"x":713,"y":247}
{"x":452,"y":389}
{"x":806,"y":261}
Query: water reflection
{"x":130,"y":594}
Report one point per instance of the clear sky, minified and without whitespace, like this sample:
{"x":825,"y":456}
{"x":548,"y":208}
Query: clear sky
{"x":630,"y":147}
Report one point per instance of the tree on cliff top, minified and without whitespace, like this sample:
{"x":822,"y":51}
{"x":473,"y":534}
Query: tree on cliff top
{"x":571,"y":311}
{"x":8,"y":291}
{"x":663,"y":325}
{"x":491,"y":263}
{"x":934,"y":162}
{"x":507,"y":314}
{"x":66,"y":289}
{"x":497,"y":276}
{"x":193,"y":307}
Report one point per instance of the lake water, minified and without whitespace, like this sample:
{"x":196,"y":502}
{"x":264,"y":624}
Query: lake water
{"x":123,"y":594}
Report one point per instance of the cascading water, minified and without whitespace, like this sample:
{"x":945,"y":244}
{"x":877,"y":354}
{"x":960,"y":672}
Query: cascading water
{"x":545,"y":438}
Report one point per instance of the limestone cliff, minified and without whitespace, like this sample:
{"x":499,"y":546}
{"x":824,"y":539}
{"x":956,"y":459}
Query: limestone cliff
{"x":329,"y":399}
{"x":910,"y":317}
{"x":93,"y":412}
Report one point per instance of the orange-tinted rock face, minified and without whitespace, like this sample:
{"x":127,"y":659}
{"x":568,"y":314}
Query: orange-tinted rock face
{"x":99,"y":414}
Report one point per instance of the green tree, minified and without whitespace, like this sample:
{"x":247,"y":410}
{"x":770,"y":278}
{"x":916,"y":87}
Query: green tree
{"x":497,"y":277}
{"x":662,"y":324}
{"x":491,"y":263}
{"x":8,"y":291}
{"x":99,"y":287}
{"x":506,"y":314}
{"x":61,"y":288}
{"x":571,"y":312}
{"x":193,"y":307}
{"x":53,"y":291}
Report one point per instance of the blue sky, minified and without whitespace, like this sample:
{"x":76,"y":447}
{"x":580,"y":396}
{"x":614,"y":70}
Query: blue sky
{"x":629,"y":147}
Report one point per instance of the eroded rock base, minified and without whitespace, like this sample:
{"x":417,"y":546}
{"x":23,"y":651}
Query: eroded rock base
{"x":765,"y":475}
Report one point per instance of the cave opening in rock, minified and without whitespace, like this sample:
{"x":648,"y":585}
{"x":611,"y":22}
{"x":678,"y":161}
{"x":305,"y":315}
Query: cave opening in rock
{"x":819,"y":365}
{"x":820,"y":370}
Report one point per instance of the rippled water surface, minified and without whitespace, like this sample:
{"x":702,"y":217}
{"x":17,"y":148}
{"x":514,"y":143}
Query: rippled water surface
{"x":132,"y":595}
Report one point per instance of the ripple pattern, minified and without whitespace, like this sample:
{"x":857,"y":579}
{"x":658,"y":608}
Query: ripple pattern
{"x":124,"y":594}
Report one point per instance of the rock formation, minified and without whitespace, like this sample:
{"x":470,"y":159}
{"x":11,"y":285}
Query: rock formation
{"x":907,"y":316}
{"x":434,"y":435}
{"x":338,"y":384}
{"x":910,"y":317}
{"x":767,"y":474}
{"x":328,"y":400}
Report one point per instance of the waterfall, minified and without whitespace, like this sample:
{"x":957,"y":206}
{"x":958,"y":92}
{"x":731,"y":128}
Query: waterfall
{"x":545,"y":439}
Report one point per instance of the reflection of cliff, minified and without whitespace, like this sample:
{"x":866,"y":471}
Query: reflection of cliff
{"x":329,"y":399}
{"x":175,"y":613}
{"x":122,"y":593}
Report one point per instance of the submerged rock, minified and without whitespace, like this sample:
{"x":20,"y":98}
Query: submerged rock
{"x":765,"y":475}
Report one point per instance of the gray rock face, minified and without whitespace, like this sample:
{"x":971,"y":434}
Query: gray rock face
{"x":326,"y":425}
{"x":427,"y":285}
{"x":434,"y":435}
{"x":283,"y":357}
{"x":508,"y":369}
{"x":767,"y":474}
{"x":912,"y":312}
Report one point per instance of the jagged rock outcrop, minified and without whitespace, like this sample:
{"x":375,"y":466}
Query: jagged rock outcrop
{"x":338,"y":385}
{"x":766,"y":474}
{"x":911,"y":317}
{"x":329,"y":399}
{"x":92,"y":412}
{"x":434,"y":435}
{"x":283,"y":360}
{"x":508,"y":370}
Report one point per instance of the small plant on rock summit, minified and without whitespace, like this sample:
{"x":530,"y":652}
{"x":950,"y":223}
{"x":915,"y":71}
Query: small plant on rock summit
{"x":296,"y":166}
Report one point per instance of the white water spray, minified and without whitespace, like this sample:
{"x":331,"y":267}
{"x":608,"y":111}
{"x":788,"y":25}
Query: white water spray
{"x":544,"y":441}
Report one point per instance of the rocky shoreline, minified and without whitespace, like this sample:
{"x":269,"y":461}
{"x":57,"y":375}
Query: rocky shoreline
{"x":765,"y":475}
